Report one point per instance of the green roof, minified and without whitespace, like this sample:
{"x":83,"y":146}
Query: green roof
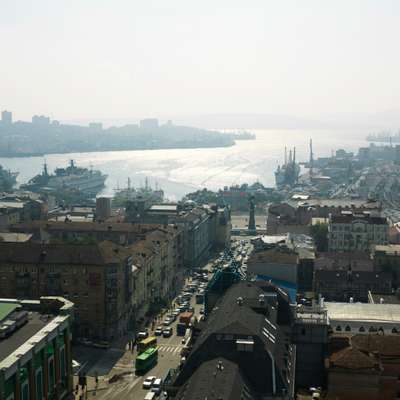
{"x":6,"y":309}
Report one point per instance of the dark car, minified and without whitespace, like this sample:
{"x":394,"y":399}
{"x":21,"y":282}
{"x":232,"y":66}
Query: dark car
{"x":167,"y":332}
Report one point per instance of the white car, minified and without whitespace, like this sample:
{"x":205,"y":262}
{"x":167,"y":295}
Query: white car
{"x":148,"y":382}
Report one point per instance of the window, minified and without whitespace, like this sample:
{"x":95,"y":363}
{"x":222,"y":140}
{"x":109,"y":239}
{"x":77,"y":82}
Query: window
{"x":394,"y":330}
{"x":338,"y":328}
{"x":25,"y":390}
{"x":39,"y":384}
{"x":362,"y":329}
{"x":348,"y":329}
{"x":52,"y":378}
{"x":63,"y":369}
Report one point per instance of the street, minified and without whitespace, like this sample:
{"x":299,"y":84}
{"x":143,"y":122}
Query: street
{"x":117,"y":364}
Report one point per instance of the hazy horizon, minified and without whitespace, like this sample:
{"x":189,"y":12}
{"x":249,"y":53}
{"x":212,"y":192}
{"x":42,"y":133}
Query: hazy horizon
{"x":91,"y":60}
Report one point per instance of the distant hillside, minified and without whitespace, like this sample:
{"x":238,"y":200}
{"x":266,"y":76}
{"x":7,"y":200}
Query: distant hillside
{"x":25,"y":139}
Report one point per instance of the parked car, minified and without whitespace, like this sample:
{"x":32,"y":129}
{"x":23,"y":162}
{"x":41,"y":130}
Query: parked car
{"x":148,"y":382}
{"x":158,"y":331}
{"x":167,"y":321}
{"x":167,"y":332}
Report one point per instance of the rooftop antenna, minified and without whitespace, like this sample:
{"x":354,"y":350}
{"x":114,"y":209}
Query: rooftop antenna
{"x":285,"y":155}
{"x":311,"y":158}
{"x":294,"y":155}
{"x":129,"y":183}
{"x":290,"y":156}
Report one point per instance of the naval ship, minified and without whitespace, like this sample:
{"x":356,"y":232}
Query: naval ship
{"x":71,"y":178}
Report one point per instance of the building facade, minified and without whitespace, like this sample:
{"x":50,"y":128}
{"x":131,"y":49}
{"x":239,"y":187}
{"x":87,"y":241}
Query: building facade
{"x":356,"y":232}
{"x":36,"y":357}
{"x":96,"y":278}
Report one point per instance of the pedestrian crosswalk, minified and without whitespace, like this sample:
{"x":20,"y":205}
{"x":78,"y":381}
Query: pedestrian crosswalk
{"x":171,"y":348}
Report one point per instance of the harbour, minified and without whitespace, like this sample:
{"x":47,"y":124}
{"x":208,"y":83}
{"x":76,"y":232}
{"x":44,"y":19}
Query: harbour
{"x":179,"y":172}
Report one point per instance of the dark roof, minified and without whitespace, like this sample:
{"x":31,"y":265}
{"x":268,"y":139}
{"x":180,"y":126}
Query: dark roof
{"x":388,"y":345}
{"x":358,"y":261}
{"x":35,"y":253}
{"x":71,"y":226}
{"x":35,"y":324}
{"x":352,"y":358}
{"x":212,"y":382}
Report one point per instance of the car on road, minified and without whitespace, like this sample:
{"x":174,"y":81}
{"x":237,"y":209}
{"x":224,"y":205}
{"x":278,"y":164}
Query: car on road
{"x":171,"y":316}
{"x":176,"y":312}
{"x":143,"y":334}
{"x":167,"y":332}
{"x":158,"y":331}
{"x":167,"y":321}
{"x":148,"y":382}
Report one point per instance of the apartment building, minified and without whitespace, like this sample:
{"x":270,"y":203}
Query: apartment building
{"x":97,"y":278}
{"x":356,"y":232}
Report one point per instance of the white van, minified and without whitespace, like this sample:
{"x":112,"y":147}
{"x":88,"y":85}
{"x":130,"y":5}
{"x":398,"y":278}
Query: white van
{"x":150,"y":396}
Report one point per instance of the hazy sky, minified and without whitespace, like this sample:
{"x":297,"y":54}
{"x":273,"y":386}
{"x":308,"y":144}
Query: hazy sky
{"x":125,"y":58}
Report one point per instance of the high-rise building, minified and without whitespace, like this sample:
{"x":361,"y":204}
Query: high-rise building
{"x":40,"y":120}
{"x":6,"y":117}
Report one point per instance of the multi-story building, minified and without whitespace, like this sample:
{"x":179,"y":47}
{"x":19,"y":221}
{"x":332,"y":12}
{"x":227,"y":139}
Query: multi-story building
{"x":348,"y":275}
{"x":201,"y":231}
{"x":6,"y":117}
{"x":40,"y":120}
{"x":157,"y":253}
{"x":356,"y":232}
{"x":35,"y":349}
{"x":15,"y":209}
{"x":97,"y":278}
{"x":70,"y":231}
{"x":296,"y":215}
{"x":387,"y":258}
{"x":363,"y":367}
{"x":243,"y":350}
{"x":286,"y":260}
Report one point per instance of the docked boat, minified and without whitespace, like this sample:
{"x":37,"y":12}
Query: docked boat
{"x":71,"y":178}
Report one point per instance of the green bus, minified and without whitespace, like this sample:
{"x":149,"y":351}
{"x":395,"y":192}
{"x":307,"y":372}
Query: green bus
{"x":146,"y":360}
